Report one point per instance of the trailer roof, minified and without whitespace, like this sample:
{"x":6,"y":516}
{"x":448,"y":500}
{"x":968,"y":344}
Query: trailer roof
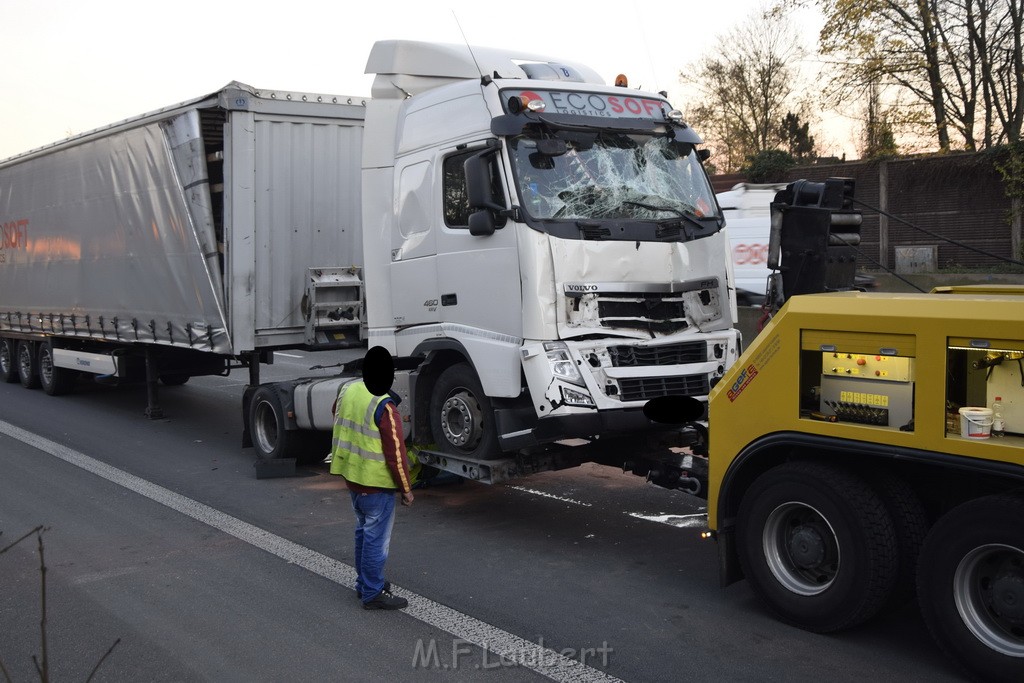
{"x":233,"y":96}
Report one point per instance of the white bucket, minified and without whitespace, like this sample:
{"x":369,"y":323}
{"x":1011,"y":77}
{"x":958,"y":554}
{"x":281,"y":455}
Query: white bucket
{"x":975,"y":423}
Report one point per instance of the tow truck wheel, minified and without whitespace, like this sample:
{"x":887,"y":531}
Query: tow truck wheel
{"x":55,"y":381}
{"x":910,"y":521}
{"x":817,"y":545}
{"x":28,"y":370}
{"x":461,"y":418}
{"x":971,"y":586}
{"x":8,"y":361}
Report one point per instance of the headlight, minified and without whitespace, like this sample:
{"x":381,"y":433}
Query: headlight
{"x":562,"y":365}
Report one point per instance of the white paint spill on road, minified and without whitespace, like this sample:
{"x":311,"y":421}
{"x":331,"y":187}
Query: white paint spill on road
{"x":682,"y":521}
{"x":545,"y":494}
{"x":529,"y":655}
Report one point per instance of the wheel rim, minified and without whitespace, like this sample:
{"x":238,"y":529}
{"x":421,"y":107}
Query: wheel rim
{"x":801,"y":548}
{"x":25,"y":361}
{"x":265,"y":427}
{"x":45,"y":366}
{"x":988,"y":587}
{"x":461,"y":420}
{"x":6,"y":362}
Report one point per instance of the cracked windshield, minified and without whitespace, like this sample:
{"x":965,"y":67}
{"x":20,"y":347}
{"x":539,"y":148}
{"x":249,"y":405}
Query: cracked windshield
{"x":611,"y":176}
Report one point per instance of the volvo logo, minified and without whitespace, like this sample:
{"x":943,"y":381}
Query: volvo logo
{"x":573,"y":287}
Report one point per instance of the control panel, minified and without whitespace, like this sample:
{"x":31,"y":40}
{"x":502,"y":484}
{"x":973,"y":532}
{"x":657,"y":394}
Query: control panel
{"x":867,"y":366}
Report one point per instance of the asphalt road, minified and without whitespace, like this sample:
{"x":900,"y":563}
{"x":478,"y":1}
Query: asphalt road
{"x":160,"y":543}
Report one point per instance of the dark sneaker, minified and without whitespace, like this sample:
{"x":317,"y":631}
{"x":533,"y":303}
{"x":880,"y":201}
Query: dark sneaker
{"x":386,"y":589}
{"x":386,"y":601}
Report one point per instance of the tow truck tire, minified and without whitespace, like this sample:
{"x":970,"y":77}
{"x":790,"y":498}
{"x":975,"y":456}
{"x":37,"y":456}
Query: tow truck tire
{"x":971,"y":586}
{"x":28,"y":367}
{"x":911,"y":522}
{"x":55,"y":381}
{"x":461,"y":417}
{"x":8,"y":361}
{"x":817,"y":545}
{"x":267,"y":426}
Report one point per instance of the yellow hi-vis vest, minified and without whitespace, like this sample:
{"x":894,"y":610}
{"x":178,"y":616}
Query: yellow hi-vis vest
{"x":356,"y":448}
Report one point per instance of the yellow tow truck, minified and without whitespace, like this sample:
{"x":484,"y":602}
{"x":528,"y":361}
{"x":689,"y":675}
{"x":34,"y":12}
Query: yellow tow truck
{"x":853,"y":463}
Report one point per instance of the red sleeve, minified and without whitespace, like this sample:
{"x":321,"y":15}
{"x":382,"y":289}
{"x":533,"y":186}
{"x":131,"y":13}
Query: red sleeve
{"x":393,"y":442}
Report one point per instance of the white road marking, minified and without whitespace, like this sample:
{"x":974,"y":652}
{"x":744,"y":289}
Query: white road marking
{"x":682,"y":521}
{"x":525,"y":653}
{"x":287,"y":355}
{"x":550,"y":495}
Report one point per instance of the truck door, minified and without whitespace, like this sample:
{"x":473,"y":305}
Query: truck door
{"x":477,"y":276}
{"x":414,"y":298}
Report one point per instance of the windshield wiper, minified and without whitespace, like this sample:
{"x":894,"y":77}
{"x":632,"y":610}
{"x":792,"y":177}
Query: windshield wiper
{"x":671,"y":227}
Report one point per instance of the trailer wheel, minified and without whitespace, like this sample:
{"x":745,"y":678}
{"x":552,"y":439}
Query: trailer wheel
{"x":28,"y":368}
{"x":268,"y":427}
{"x":461,"y":418}
{"x":55,"y":381}
{"x":817,"y":545}
{"x":971,"y":586}
{"x":8,"y":361}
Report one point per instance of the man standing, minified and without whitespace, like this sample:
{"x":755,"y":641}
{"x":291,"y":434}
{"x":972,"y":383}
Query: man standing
{"x":369,"y":452}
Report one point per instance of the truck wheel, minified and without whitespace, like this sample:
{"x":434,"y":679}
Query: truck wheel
{"x":28,"y":369}
{"x":910,"y":522}
{"x":8,"y":361}
{"x":267,"y":427}
{"x":174,"y":379}
{"x":55,"y":381}
{"x":817,"y":545}
{"x":971,"y":586}
{"x":461,"y":417}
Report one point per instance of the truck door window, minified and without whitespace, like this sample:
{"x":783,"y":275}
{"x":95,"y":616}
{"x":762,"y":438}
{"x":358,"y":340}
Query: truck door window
{"x":455,"y":197}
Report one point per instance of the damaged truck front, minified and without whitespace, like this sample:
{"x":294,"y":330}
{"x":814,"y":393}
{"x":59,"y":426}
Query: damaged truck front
{"x":577,"y":268}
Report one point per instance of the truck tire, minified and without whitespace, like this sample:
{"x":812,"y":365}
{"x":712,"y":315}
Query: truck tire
{"x":817,"y":545}
{"x":28,"y":368}
{"x":55,"y":381}
{"x":8,"y":361}
{"x":174,"y":379}
{"x":461,"y":418}
{"x":971,"y":586}
{"x":910,"y":522}
{"x":268,"y":427}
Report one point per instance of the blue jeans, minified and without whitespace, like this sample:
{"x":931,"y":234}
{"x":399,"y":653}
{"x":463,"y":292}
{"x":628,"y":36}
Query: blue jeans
{"x":375,"y":517}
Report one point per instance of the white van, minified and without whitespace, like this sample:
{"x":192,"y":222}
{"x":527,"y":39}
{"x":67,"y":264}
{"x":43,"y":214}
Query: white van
{"x":747,"y":212}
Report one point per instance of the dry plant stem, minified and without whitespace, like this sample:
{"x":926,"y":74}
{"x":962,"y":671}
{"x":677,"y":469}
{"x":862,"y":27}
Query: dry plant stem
{"x":44,"y":672}
{"x":105,"y":655}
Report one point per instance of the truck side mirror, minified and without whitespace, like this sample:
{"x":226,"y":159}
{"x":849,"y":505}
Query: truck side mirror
{"x":703,"y":154}
{"x":480,"y":192}
{"x":481,"y":223}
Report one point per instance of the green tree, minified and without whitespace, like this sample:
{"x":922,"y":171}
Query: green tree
{"x":768,"y":166}
{"x":797,"y":140}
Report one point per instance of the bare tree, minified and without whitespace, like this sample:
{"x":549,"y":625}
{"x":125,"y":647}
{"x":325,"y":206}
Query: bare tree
{"x":960,"y":60}
{"x":746,"y":89}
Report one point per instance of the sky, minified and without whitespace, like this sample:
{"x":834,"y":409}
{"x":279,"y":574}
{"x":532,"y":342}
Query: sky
{"x":71,"y":66}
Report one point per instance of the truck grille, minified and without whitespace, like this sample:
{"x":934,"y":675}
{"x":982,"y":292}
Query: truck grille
{"x":617,"y":308}
{"x":643,"y":356}
{"x":646,"y":388}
